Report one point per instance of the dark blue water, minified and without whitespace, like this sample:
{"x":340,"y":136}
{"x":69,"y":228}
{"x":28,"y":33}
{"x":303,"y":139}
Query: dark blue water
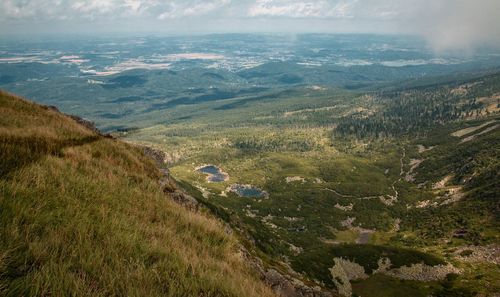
{"x":248,"y":192}
{"x":214,"y":173}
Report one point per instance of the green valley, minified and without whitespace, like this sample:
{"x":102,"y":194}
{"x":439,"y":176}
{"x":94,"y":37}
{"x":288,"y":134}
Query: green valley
{"x":249,"y":164}
{"x":408,"y":174}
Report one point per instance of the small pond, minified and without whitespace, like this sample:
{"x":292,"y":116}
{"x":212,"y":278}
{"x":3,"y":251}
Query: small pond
{"x":214,"y":173}
{"x":248,"y":191}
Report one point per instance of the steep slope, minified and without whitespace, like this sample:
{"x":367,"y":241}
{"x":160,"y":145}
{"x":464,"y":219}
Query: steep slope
{"x":84,"y":215}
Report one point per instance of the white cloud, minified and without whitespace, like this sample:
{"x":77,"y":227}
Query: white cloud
{"x":27,"y":9}
{"x":133,"y":5}
{"x":460,"y":24}
{"x":343,"y":9}
{"x":445,"y":24}
{"x":192,"y":8}
{"x":97,"y":6}
{"x":104,"y":9}
{"x":286,"y":8}
{"x":205,"y":7}
{"x":302,"y":9}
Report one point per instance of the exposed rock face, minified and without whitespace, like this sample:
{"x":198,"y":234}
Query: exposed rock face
{"x":384,"y":264}
{"x":452,"y":195}
{"x":171,"y":190}
{"x":52,"y":107}
{"x":279,"y":283}
{"x":296,"y":250}
{"x":442,"y":183}
{"x":410,"y":175}
{"x":397,"y":225}
{"x":422,"y":149}
{"x":343,"y":271}
{"x":86,"y":123}
{"x":347,"y":222}
{"x":155,"y":154}
{"x":283,"y":285}
{"x":422,"y":272}
{"x":388,"y":200}
{"x":341,"y":281}
{"x":477,"y":254}
{"x":289,"y":287}
{"x":185,"y":200}
{"x":344,"y":207}
{"x":291,"y":179}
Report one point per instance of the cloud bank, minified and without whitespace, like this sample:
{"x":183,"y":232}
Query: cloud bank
{"x":460,"y":24}
{"x":446,"y":24}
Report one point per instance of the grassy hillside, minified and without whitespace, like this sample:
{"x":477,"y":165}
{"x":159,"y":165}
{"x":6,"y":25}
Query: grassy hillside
{"x":84,"y":215}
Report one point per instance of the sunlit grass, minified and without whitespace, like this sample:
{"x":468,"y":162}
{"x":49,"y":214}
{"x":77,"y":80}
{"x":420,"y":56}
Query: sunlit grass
{"x":83,"y":215}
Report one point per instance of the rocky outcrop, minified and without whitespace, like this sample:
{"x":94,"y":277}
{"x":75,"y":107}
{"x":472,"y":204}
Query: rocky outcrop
{"x":167,"y":184}
{"x":157,"y":155}
{"x":477,"y":254}
{"x":411,"y":174}
{"x":282,"y":284}
{"x":348,"y":207}
{"x":185,"y":200}
{"x":291,"y":179}
{"x":384,"y":264}
{"x":86,"y":123}
{"x":52,"y":107}
{"x":343,"y":271}
{"x":170,"y":189}
{"x":290,"y":287}
{"x":422,"y":272}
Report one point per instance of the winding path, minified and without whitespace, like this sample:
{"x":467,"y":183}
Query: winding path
{"x":393,"y":185}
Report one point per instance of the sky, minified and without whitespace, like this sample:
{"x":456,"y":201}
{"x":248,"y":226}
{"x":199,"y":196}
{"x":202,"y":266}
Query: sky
{"x":462,"y":25}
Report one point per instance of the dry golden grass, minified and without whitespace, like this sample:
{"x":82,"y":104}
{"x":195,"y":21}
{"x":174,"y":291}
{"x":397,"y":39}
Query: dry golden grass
{"x":83,"y":215}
